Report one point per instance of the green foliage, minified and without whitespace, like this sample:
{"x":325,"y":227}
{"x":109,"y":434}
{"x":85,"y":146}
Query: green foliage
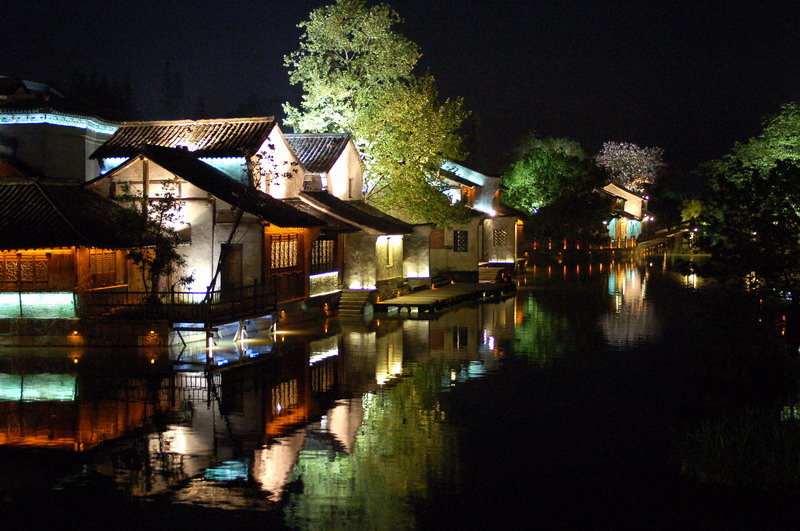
{"x":546,"y":170}
{"x":755,"y":450}
{"x":780,"y":140}
{"x":691,"y":209}
{"x":753,"y":210}
{"x":357,"y":76}
{"x":555,"y":179}
{"x":152,"y":222}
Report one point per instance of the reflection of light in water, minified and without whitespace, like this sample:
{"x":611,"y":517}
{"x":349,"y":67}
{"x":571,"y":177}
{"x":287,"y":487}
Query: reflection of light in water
{"x":319,"y":356}
{"x":344,"y":421}
{"x":632,"y":319}
{"x":388,"y":366}
{"x":273,"y":465}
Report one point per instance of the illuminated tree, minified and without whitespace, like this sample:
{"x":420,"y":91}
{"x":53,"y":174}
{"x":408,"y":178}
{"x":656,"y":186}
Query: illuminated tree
{"x":780,"y":140}
{"x":555,"y":179}
{"x":752,"y":213}
{"x":357,"y":76}
{"x":631,"y":166}
{"x":152,"y":222}
{"x":547,"y":169}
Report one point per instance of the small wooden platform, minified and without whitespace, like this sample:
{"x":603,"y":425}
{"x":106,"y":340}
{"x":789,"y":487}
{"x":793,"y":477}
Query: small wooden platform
{"x":433,"y":300}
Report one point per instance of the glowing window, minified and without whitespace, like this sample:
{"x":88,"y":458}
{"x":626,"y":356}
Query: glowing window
{"x":460,"y":241}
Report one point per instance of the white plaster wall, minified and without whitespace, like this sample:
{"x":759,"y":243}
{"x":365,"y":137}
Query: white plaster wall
{"x":280,"y":161}
{"x":207,"y":236}
{"x":347,"y":166}
{"x":57,"y":151}
{"x":416,"y":252}
{"x":484,"y":196}
{"x":506,"y":253}
{"x":442,"y":260}
{"x":389,"y":257}
{"x":633,"y":203}
{"x":359,"y":261}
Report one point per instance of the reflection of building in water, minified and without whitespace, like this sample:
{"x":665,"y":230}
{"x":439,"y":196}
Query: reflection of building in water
{"x":374,"y":354}
{"x":633,"y":319}
{"x":70,"y":400}
{"x":470,"y":336}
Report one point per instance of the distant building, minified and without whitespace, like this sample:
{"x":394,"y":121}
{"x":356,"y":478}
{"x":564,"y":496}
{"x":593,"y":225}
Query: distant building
{"x":629,"y":216}
{"x":49,"y":133}
{"x":491,"y":237}
{"x":332,"y":163}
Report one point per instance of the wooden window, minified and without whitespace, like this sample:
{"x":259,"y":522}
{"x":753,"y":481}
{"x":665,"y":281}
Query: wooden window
{"x":283,"y":251}
{"x":460,"y":241}
{"x":460,"y":337}
{"x":499,"y":237}
{"x":21,"y":271}
{"x":103,"y":268}
{"x":284,"y":397}
{"x":323,"y":255}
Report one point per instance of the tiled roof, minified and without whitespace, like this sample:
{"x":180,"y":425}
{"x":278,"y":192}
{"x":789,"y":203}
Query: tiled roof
{"x":358,"y":213}
{"x":226,"y":137}
{"x":505,"y":210}
{"x":332,"y":224}
{"x":186,"y":165}
{"x":36,"y":213}
{"x":318,"y":151}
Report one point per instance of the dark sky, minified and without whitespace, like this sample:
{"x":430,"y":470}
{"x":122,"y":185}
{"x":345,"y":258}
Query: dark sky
{"x":691,"y":77}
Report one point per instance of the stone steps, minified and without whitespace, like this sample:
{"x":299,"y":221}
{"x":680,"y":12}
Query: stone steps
{"x":352,"y":302}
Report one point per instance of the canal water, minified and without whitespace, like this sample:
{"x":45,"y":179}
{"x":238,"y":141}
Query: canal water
{"x":562,"y":406}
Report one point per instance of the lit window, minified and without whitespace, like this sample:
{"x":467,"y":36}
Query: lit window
{"x":499,"y":237}
{"x":460,"y":241}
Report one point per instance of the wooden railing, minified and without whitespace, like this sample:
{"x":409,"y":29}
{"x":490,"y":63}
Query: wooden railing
{"x":195,"y":307}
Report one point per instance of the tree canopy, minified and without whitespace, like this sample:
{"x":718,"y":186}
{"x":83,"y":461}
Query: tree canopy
{"x":555,"y":179}
{"x":752,"y":213}
{"x":357,"y":76}
{"x":547,"y":169}
{"x":631,"y":166}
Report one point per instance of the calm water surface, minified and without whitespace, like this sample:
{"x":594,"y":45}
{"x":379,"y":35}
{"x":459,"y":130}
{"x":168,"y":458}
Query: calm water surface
{"x":557,"y":407}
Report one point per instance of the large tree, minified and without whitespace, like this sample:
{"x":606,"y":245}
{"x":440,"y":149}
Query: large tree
{"x":357,"y":75}
{"x":752,"y":213}
{"x":631,"y":166}
{"x":545,"y":170}
{"x":555,"y":179}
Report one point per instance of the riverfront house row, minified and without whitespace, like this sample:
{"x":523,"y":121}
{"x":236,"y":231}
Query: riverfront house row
{"x":257,"y":207}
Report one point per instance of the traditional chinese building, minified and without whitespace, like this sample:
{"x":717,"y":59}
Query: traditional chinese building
{"x":491,"y":237}
{"x":57,"y":239}
{"x":51,"y":134}
{"x":629,"y":216}
{"x":236,"y":236}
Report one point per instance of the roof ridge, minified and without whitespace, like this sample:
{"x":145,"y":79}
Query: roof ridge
{"x":204,"y":121}
{"x":58,"y":211}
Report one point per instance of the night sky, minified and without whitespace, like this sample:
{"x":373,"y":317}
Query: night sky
{"x":689,"y":79}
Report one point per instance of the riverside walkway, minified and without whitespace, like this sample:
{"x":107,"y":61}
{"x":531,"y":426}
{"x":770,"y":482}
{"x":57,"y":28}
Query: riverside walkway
{"x":436,"y":299}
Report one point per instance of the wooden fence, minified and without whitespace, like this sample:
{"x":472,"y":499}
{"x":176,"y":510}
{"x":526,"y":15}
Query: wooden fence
{"x":190,"y":307}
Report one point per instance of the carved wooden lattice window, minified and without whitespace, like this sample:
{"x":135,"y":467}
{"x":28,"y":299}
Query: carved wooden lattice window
{"x":323,"y":256}
{"x":29,"y":270}
{"x":103,"y":267}
{"x":283,"y":251}
{"x":499,"y":237}
{"x":460,"y":239}
{"x":323,"y":376}
{"x":284,"y":396}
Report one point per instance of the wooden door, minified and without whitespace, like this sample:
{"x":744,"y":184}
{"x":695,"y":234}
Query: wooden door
{"x":231,"y":273}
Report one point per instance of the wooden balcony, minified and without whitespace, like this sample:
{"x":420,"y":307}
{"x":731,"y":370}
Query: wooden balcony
{"x":191,"y":307}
